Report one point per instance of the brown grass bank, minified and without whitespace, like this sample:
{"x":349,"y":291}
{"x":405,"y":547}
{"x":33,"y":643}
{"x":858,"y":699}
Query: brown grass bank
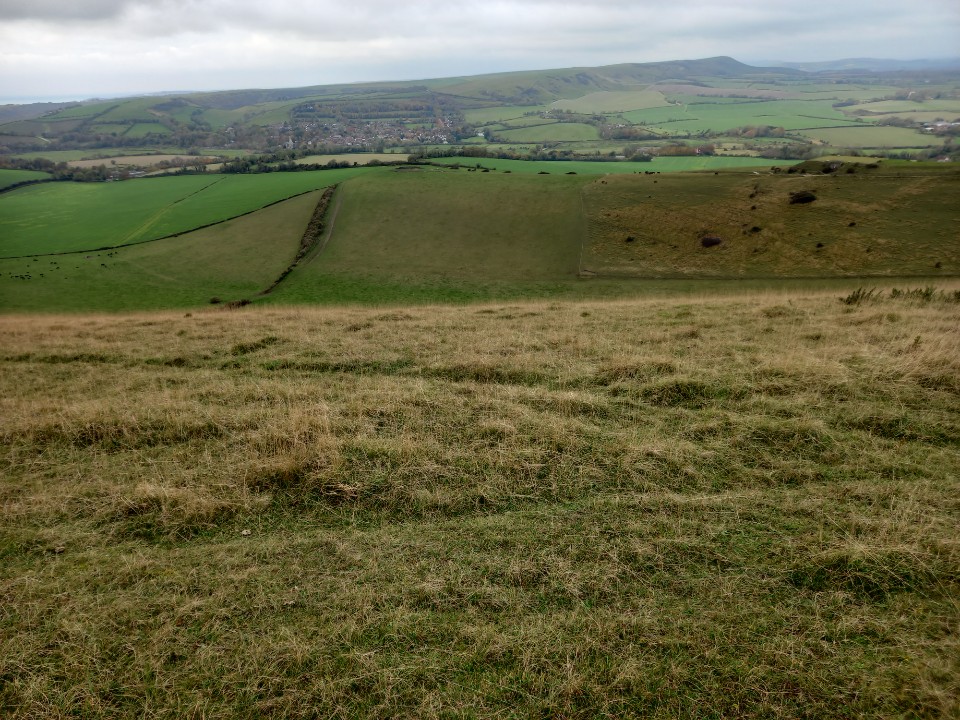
{"x":691,"y":507}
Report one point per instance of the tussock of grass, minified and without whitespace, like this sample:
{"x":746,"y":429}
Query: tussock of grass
{"x":743,"y":507}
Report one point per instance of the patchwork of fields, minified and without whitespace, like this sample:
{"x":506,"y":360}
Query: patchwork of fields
{"x":490,"y":229}
{"x":656,"y":103}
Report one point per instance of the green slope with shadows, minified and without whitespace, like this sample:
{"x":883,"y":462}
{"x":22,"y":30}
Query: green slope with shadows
{"x":430,"y":235}
{"x":79,"y":217}
{"x":232,"y":260}
{"x":9,"y":178}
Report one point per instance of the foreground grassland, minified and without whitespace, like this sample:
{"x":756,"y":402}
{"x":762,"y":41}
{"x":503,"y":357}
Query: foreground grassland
{"x":706,"y":508}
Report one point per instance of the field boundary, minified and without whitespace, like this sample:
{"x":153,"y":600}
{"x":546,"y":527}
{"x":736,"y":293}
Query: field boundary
{"x":26,"y":183}
{"x":311,"y":237}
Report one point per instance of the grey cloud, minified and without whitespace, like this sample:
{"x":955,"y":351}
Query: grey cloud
{"x":59,"y":11}
{"x":207,"y":42}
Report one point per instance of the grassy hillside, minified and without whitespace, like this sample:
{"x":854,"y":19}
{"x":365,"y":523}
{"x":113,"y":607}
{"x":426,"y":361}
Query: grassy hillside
{"x":438,"y":234}
{"x":690,"y":508}
{"x":232,"y":260}
{"x":866,"y":222}
{"x":428,"y":234}
{"x":13,"y":177}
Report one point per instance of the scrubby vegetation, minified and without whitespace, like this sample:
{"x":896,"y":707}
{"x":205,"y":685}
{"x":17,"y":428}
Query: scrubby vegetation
{"x":710,"y":507}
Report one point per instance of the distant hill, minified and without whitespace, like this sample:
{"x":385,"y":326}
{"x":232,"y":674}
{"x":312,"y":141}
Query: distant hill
{"x":13,"y":112}
{"x":683,"y":107}
{"x":872,"y":65}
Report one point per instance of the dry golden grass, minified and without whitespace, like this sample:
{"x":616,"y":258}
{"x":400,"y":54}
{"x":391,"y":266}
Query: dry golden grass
{"x":866,"y":223}
{"x":686,"y":507}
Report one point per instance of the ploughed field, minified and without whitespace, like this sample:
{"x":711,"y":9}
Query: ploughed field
{"x":741,"y":506}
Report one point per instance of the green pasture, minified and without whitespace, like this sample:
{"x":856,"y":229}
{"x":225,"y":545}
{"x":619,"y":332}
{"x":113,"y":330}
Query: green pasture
{"x":353,"y":158}
{"x":872,"y":137}
{"x":485,"y":116}
{"x":97,"y":153}
{"x":140,"y":130}
{"x":75,"y":217}
{"x":134,"y":109}
{"x":523,"y":122}
{"x":429,"y":234}
{"x":587,"y":167}
{"x":39,"y":126}
{"x":940,"y":105}
{"x":219,"y":118}
{"x":788,"y":114}
{"x":235,"y":259}
{"x":109,"y":128}
{"x":86,"y":111}
{"x":426,"y":235}
{"x":684,"y":99}
{"x":551,"y":132}
{"x":12,"y":177}
{"x":613,"y":102}
{"x":183,"y":113}
{"x":918,"y":116}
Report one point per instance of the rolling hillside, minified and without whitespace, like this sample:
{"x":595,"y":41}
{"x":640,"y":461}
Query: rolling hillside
{"x":584,"y":110}
{"x":440,"y":233}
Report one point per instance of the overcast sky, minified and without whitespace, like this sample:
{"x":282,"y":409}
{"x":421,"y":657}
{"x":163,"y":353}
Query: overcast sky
{"x":70,"y":49}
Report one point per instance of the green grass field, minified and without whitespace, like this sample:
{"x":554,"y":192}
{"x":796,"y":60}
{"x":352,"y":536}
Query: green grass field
{"x":74,"y":217}
{"x":88,"y":154}
{"x":586,"y":167}
{"x":873,"y":137}
{"x":422,"y":235}
{"x":432,"y":234}
{"x":485,"y":116}
{"x":12,"y":177}
{"x":551,"y":132}
{"x":86,"y":110}
{"x":948,"y":106}
{"x":140,"y":130}
{"x":788,"y":114}
{"x":235,"y":259}
{"x":613,"y":102}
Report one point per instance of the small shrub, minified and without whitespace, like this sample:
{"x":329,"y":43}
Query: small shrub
{"x":860,"y":295}
{"x":802,"y":197}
